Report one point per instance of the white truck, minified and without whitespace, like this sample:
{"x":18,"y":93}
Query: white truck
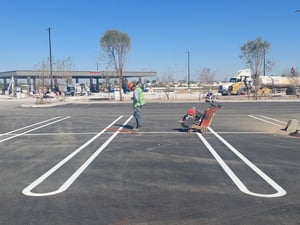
{"x":240,"y":75}
{"x":291,"y":83}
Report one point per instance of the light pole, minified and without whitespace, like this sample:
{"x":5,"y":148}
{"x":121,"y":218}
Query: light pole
{"x":50,"y":59}
{"x":264,"y":62}
{"x":188,"y":62}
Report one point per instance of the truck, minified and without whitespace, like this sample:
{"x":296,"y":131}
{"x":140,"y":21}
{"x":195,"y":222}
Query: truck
{"x":267,"y":85}
{"x":291,"y":83}
{"x":236,"y":83}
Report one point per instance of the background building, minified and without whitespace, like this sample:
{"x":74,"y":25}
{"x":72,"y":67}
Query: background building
{"x":35,"y":78}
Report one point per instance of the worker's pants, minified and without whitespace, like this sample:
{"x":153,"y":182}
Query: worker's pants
{"x":138,"y":116}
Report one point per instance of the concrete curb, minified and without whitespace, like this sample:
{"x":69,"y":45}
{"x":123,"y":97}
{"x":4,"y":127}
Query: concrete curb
{"x":31,"y":102}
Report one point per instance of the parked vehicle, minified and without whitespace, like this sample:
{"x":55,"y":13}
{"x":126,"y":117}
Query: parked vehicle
{"x":70,"y":90}
{"x":291,"y":83}
{"x":235,"y":84}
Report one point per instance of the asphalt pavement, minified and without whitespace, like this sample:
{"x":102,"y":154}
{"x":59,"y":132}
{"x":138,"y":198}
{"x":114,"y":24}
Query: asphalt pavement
{"x":76,"y":164}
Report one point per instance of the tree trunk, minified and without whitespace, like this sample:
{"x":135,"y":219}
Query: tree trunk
{"x":121,"y":84}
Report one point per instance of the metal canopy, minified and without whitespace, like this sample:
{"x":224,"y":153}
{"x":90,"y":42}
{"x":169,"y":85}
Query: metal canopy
{"x":23,"y":74}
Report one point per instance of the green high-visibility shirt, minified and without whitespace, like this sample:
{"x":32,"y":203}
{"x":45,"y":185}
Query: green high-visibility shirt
{"x":138,"y":97}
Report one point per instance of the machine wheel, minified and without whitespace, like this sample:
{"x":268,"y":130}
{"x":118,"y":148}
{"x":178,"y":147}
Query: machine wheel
{"x":203,"y":130}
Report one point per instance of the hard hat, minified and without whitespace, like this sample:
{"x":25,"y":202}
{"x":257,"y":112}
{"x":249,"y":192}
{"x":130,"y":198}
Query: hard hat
{"x":130,"y":85}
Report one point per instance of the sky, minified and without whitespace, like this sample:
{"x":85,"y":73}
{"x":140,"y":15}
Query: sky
{"x":162,"y":32}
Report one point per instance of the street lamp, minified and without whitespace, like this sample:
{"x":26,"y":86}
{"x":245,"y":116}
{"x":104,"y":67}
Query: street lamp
{"x":188,"y":62}
{"x":50,"y":59}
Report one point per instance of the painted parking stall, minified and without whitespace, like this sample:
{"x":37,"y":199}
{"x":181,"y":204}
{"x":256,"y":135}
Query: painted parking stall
{"x":28,"y":191}
{"x":66,"y":184}
{"x":279,"y":191}
{"x":19,"y":132}
{"x":237,"y":181}
{"x":160,"y":175}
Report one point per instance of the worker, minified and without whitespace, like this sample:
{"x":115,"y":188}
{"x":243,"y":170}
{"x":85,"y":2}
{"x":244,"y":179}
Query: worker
{"x":138,"y":102}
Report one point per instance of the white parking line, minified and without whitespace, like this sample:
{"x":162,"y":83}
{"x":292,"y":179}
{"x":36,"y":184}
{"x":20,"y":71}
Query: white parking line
{"x":280,"y":191}
{"x":242,"y":187}
{"x":28,"y":190}
{"x":270,"y":118}
{"x":267,"y":119}
{"x":32,"y":125}
{"x":145,"y":132}
{"x":36,"y":128}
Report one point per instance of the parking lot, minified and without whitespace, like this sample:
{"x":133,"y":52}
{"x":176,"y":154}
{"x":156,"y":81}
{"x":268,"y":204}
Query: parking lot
{"x":82,"y":164}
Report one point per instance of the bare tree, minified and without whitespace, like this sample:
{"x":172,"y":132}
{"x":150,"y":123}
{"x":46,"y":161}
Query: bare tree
{"x":62,"y":69}
{"x":168,"y":79}
{"x":206,"y":76}
{"x":115,"y":46}
{"x":254,"y":53}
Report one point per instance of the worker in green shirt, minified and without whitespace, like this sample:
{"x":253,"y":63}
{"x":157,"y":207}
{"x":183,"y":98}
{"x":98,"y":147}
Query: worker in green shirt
{"x":138,"y":102}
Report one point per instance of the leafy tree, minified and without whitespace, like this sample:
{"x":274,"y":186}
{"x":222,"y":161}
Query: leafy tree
{"x":254,"y":53}
{"x":115,"y":46}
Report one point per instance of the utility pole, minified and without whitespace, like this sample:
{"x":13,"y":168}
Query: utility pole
{"x":188,"y":69}
{"x":50,"y":59}
{"x":264,"y":62}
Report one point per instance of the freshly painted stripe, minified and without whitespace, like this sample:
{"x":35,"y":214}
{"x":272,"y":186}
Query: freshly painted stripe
{"x":280,"y":191}
{"x":28,"y":190}
{"x":32,"y":125}
{"x":264,"y":120}
{"x":270,"y":118}
{"x":144,"y":132}
{"x":36,"y":128}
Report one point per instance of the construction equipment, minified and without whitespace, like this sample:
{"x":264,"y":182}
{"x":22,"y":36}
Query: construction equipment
{"x":236,"y":83}
{"x":194,"y":120}
{"x":245,"y":83}
{"x":238,"y":88}
{"x":242,"y":86}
